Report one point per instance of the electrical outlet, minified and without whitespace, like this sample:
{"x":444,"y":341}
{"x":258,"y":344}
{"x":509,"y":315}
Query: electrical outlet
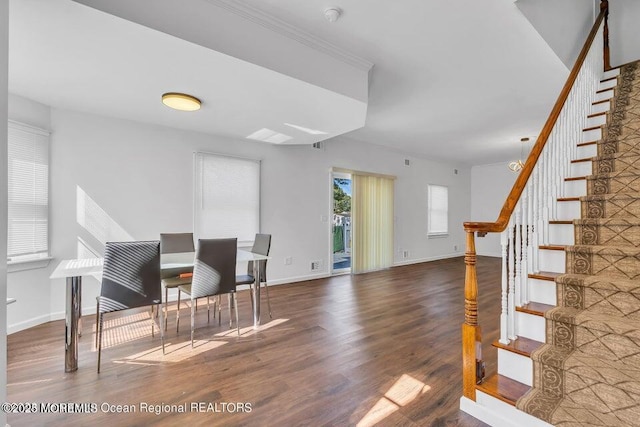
{"x":405,"y":254}
{"x":455,"y":247}
{"x":316,"y":265}
{"x":288,"y":260}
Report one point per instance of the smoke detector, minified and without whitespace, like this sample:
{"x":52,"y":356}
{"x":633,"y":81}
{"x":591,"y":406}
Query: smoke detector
{"x":332,"y":14}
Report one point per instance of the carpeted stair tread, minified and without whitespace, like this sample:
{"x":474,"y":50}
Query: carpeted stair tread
{"x":605,"y":249}
{"x":602,"y":260}
{"x":593,"y":381}
{"x":599,"y":282}
{"x":613,"y":182}
{"x":616,"y":374}
{"x":625,"y":196}
{"x":631,"y":221}
{"x":596,"y":321}
{"x":563,"y":412}
{"x":607,"y":231}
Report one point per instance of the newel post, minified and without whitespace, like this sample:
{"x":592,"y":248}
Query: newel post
{"x":472,"y":364}
{"x":604,"y":7}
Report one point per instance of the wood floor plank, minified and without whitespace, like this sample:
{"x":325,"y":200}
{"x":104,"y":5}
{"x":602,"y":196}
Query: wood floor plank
{"x":339,"y":351}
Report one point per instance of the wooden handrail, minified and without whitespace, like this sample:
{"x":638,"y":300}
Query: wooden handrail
{"x":512,"y":199}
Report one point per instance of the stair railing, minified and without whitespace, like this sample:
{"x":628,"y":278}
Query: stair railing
{"x":525,"y":215}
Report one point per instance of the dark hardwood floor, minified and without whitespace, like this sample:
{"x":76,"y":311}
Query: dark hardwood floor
{"x":375,"y":348}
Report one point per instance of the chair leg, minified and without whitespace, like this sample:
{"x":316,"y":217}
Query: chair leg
{"x":193,"y":323}
{"x":100,"y":326}
{"x":208,"y":312}
{"x":166,"y":307}
{"x":97,"y":318}
{"x":178,"y":313}
{"x":230,"y":318}
{"x":235,"y":304}
{"x":162,"y":322}
{"x":219,"y":310}
{"x":153,"y":323}
{"x":266,"y":288}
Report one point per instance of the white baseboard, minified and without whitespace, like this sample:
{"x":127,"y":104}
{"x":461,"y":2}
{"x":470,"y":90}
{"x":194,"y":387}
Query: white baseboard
{"x":29,"y":323}
{"x":428,"y":259}
{"x":484,"y":414}
{"x":491,"y":254}
{"x":497,"y":413}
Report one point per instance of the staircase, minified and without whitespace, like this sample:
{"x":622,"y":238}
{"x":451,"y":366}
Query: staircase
{"x":569,"y":346}
{"x":588,"y":371}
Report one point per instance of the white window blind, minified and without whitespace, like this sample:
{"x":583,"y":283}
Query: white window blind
{"x":28,"y":192}
{"x":227,"y":197}
{"x":438,"y":210}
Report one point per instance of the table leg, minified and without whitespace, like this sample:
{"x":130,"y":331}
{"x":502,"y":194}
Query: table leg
{"x":256,"y":295}
{"x":72,"y":317}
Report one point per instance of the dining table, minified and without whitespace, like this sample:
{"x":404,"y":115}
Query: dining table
{"x":74,"y":269}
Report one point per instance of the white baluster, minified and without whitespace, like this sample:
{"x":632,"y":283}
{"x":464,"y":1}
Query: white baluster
{"x":518,"y":250}
{"x":504,"y":314}
{"x":512,"y":281}
{"x":524,"y":268}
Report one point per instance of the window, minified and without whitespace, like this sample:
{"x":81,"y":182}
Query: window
{"x":227,"y":197}
{"x":28,"y":193}
{"x":438,"y":210}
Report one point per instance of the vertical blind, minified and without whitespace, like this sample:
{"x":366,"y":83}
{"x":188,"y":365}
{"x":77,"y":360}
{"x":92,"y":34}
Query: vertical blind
{"x":227,"y":197}
{"x":28,"y":192}
{"x":438,"y":210}
{"x":372,"y":225}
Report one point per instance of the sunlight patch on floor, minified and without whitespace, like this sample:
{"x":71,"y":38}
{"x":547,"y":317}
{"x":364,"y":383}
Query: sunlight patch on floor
{"x":128,"y":328}
{"x":174,"y":353}
{"x":403,"y":392}
{"x":249,"y":330}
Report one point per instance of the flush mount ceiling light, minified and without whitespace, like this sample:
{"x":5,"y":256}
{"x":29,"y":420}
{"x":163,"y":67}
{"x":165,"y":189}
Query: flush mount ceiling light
{"x":181,"y":101}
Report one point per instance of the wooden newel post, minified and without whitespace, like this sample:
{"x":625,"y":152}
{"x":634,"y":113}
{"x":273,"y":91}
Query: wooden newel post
{"x":604,"y":7}
{"x":471,"y":336}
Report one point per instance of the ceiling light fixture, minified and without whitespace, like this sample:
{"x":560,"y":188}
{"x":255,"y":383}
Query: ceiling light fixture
{"x":332,"y":14}
{"x":517,"y":165}
{"x":181,"y":101}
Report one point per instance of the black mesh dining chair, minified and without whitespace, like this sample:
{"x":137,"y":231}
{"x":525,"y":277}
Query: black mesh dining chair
{"x":261,"y":245}
{"x":130,"y":279}
{"x":214,"y":273}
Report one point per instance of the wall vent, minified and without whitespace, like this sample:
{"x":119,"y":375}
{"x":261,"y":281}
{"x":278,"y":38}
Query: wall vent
{"x":406,"y":162}
{"x":318,"y":145}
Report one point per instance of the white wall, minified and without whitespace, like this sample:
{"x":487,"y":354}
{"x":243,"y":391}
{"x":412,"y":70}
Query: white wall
{"x":4,"y":83}
{"x":564,"y":25}
{"x":624,"y":37}
{"x":490,"y":185}
{"x":137,"y":181}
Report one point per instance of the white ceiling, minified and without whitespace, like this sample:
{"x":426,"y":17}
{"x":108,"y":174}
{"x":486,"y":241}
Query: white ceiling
{"x":461,"y":79}
{"x":67,"y":55}
{"x":458,"y":79}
